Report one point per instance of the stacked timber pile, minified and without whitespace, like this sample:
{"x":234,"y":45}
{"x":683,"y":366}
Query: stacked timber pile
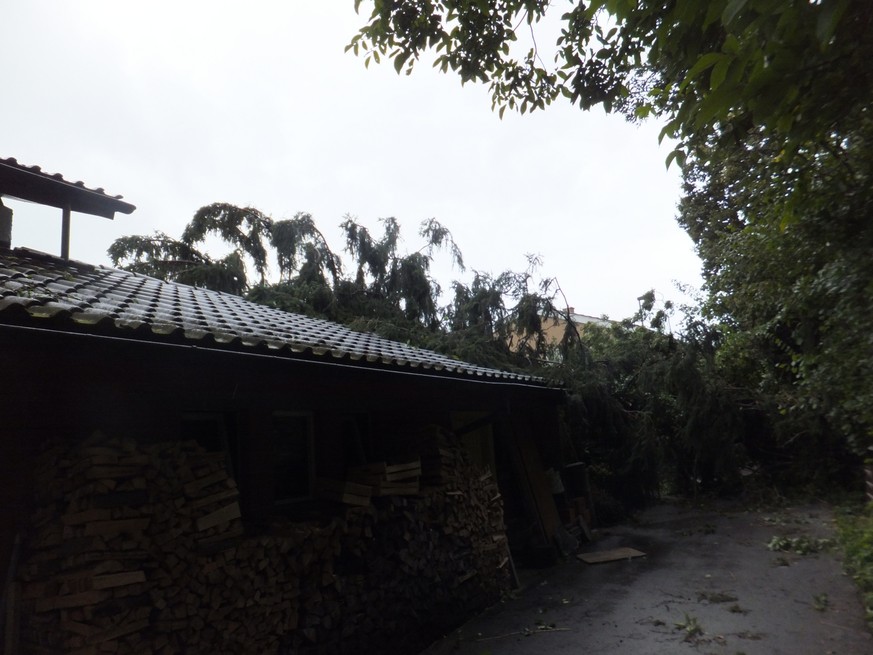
{"x":363,"y":483}
{"x":140,"y":548}
{"x":389,"y":479}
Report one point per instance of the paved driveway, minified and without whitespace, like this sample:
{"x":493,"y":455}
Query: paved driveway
{"x":709,"y":585}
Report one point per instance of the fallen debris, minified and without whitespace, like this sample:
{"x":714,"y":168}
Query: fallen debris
{"x":613,"y":555}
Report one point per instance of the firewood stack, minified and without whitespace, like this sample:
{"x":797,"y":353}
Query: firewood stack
{"x":140,"y":548}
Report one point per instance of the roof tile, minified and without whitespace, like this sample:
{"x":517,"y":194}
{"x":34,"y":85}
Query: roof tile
{"x":47,"y":289}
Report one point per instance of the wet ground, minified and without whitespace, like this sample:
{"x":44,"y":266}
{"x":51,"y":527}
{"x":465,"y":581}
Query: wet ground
{"x":709,"y":584}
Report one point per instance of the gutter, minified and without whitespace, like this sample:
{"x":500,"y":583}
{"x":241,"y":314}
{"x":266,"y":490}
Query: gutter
{"x":338,"y":365}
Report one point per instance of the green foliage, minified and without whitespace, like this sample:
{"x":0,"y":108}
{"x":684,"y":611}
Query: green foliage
{"x":855,"y":532}
{"x":651,"y":410}
{"x":302,"y":249}
{"x":780,"y":64}
{"x":401,"y":282}
{"x":648,"y":410}
{"x":502,"y":315}
{"x":821,"y":602}
{"x":243,"y":227}
{"x":802,"y":545}
{"x":690,"y":626}
{"x":788,"y":271}
{"x":176,"y":261}
{"x":769,"y":102}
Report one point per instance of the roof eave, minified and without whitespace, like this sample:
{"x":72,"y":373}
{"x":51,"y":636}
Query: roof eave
{"x":32,"y":185}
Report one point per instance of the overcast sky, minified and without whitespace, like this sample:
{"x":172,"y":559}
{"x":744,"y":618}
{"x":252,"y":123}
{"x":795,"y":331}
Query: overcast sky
{"x":175,"y":105}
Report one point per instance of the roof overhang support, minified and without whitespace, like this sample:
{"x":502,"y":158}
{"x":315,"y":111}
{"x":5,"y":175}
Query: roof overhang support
{"x":31,"y":184}
{"x":65,"y":232}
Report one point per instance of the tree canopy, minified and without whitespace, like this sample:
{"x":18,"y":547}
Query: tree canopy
{"x":622,"y":416}
{"x":769,"y":103}
{"x":386,"y":291}
{"x":722,"y":65}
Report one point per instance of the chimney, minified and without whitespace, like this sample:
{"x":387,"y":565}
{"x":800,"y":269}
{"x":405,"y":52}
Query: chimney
{"x":5,"y":226}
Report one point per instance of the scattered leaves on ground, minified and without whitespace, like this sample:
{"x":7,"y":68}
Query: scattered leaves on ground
{"x":802,"y":545}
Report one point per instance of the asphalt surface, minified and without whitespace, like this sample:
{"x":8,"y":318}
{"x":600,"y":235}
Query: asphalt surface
{"x":709,"y":584}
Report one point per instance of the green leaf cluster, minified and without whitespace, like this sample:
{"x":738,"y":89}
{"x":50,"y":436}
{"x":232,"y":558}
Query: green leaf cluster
{"x":786,"y":253}
{"x":651,"y":409}
{"x":855,"y":531}
{"x":788,"y":65}
{"x":769,"y":101}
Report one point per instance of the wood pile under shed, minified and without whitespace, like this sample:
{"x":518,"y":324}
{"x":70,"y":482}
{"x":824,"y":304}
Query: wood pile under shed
{"x":141,"y":548}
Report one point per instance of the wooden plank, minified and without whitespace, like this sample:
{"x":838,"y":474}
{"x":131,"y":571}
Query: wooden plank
{"x":86,"y":516}
{"x":376,"y":467}
{"x":343,"y":487}
{"x":129,"y":526}
{"x":120,"y":631}
{"x":101,"y":460}
{"x":112,"y":580}
{"x":222,"y":541}
{"x":358,"y":501}
{"x":89,"y":650}
{"x":91,"y":451}
{"x":121,"y":499}
{"x":82,"y":599}
{"x":403,"y":468}
{"x":134,"y":460}
{"x":111,"y":472}
{"x":121,"y":555}
{"x":218,"y":517}
{"x":398,"y":489}
{"x":11,"y":620}
{"x":33,"y":590}
{"x":214,"y":498}
{"x":466,"y":576}
{"x":78,"y":628}
{"x":207,"y":481}
{"x":343,"y":491}
{"x":346,"y":499}
{"x":361,"y":477}
{"x":526,"y":459}
{"x":612,"y":555}
{"x":406,"y":474}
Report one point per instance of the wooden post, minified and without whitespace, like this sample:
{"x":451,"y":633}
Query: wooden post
{"x":9,"y":602}
{"x":65,"y":233}
{"x":11,"y":634}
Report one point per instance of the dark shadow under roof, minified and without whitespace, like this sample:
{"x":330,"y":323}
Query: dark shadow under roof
{"x":39,"y":290}
{"x":31,"y":183}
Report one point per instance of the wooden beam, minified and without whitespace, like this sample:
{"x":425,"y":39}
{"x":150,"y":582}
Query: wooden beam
{"x":65,"y":232}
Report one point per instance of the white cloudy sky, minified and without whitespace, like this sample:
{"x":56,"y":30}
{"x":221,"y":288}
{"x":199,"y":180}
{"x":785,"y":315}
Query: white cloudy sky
{"x":178,"y":104}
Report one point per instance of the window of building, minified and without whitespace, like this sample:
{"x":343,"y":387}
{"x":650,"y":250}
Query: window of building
{"x":294,"y":457}
{"x":215,"y":432}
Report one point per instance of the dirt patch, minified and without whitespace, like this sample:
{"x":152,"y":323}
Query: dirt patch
{"x":713,"y":582}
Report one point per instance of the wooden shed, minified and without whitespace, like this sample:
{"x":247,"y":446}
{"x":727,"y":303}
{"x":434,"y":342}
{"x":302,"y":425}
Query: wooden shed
{"x":186,"y":471}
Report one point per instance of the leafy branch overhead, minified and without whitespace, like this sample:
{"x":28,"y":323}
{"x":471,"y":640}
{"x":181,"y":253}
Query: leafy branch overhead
{"x":769,"y":380}
{"x":701,"y":66}
{"x":174,"y":260}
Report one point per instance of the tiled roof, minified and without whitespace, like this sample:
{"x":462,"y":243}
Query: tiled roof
{"x":33,"y":184}
{"x":40,"y":290}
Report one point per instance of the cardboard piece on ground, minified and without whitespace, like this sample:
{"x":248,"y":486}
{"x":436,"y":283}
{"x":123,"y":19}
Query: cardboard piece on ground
{"x":613,"y":555}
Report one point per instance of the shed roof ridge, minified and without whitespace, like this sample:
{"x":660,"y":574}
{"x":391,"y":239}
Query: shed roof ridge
{"x":139,"y":305}
{"x":56,"y":177}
